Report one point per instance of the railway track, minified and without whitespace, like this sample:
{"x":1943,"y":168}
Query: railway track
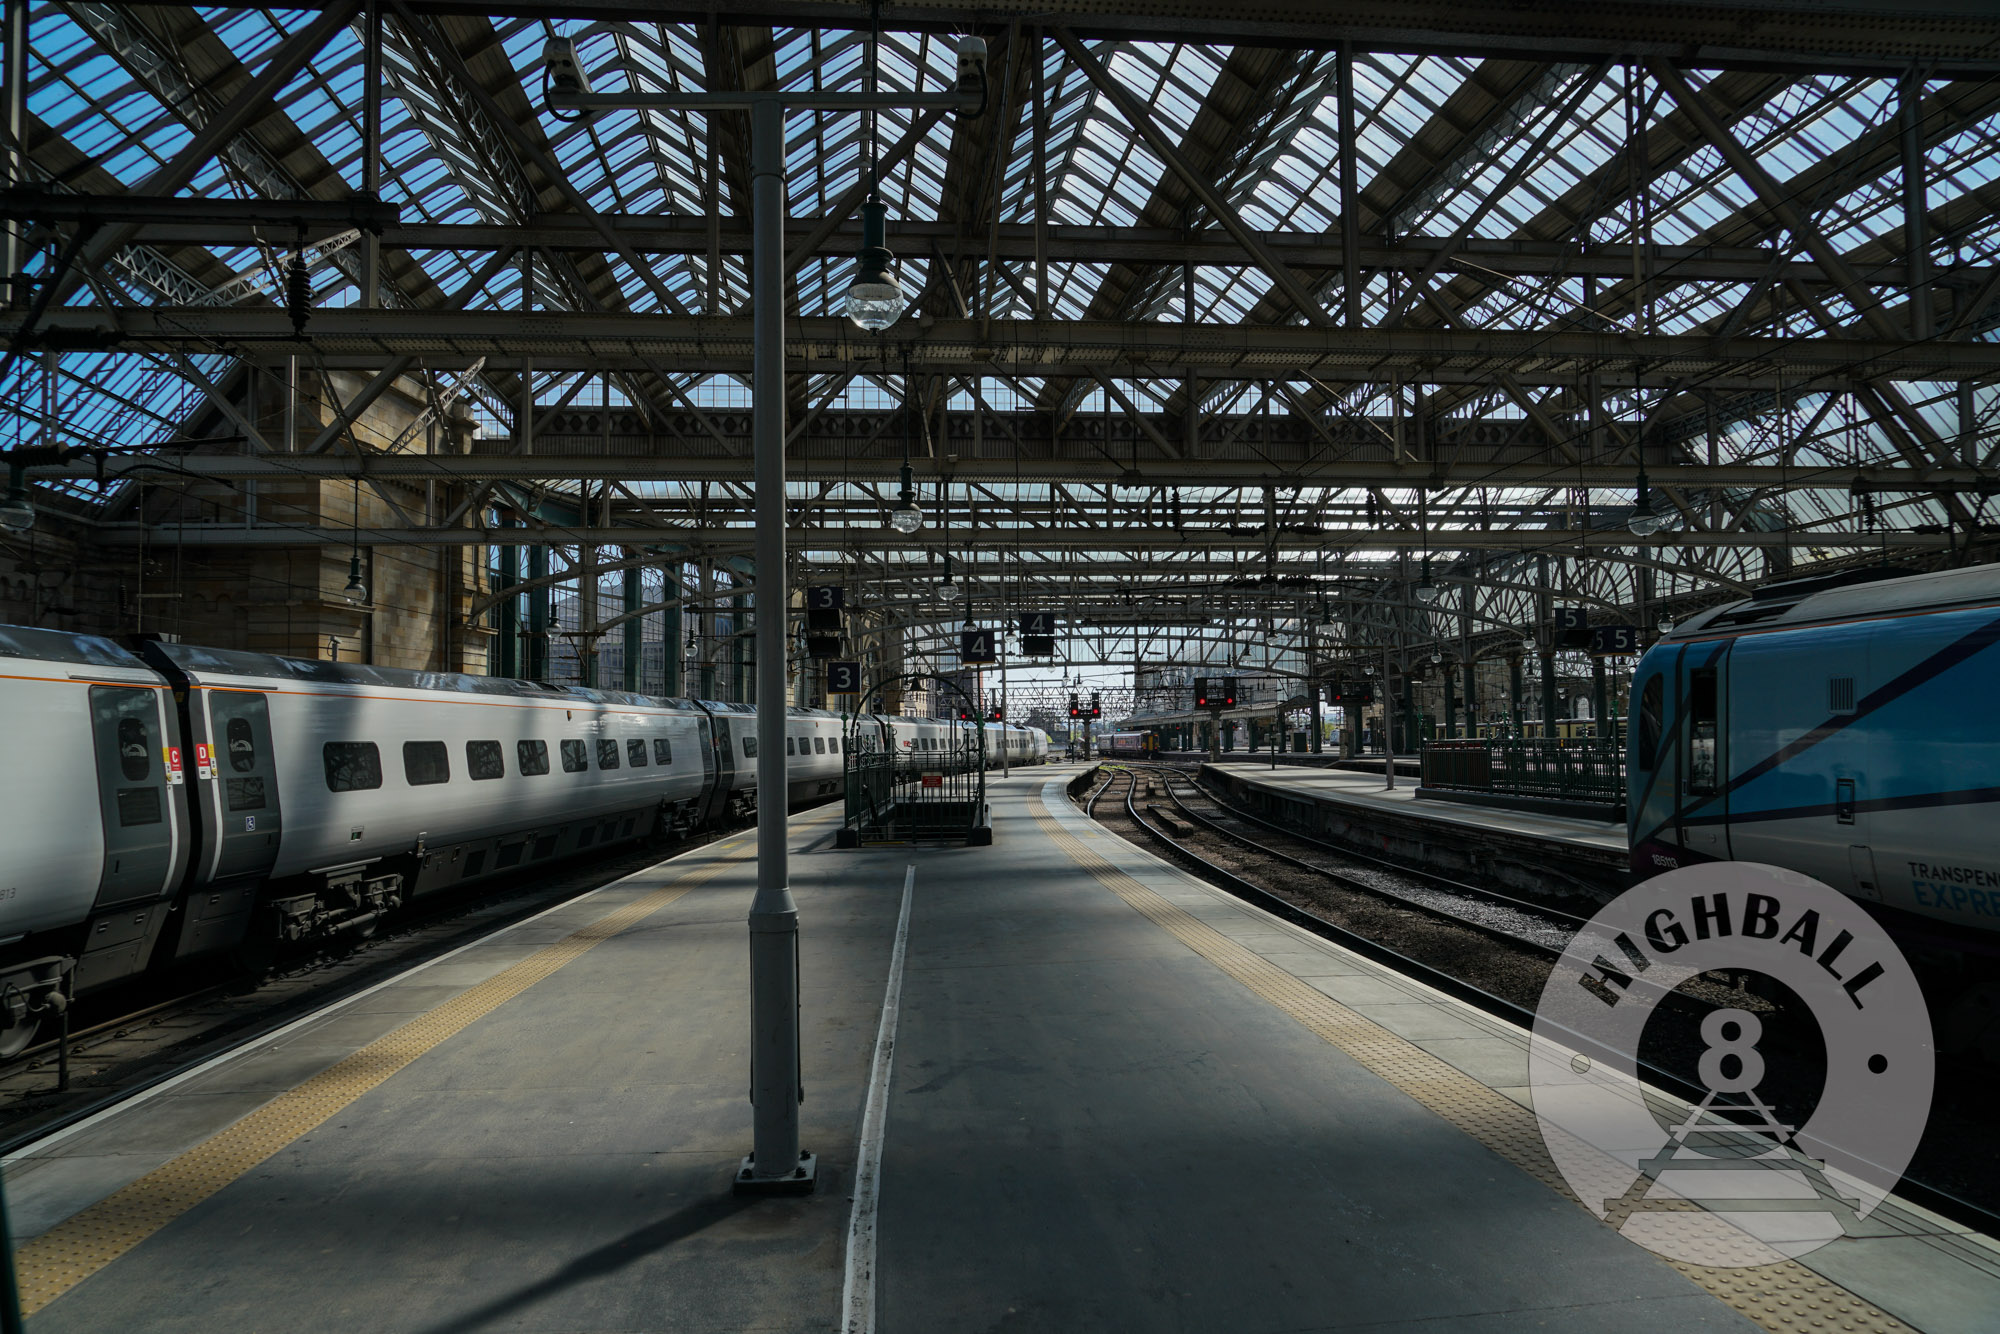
{"x":1440,"y":934}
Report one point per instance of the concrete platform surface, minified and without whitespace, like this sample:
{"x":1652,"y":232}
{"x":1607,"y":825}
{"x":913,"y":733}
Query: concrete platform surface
{"x":1366,"y":790}
{"x":1120,"y":1101}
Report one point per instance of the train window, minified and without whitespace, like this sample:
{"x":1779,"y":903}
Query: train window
{"x":484,"y":759}
{"x":241,"y":743}
{"x":351,"y":766}
{"x":663,"y":750}
{"x":135,"y":750}
{"x":532,"y":758}
{"x":245,"y":794}
{"x":1702,"y":716}
{"x":607,"y":753}
{"x":790,"y":749}
{"x":575,"y":757}
{"x":834,"y":745}
{"x":749,"y":747}
{"x":819,"y":745}
{"x":635,"y":751}
{"x":1651,"y":701}
{"x":426,"y":763}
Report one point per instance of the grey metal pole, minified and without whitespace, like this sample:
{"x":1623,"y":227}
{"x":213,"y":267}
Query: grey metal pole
{"x":1388,"y":722}
{"x":1006,"y":718}
{"x":775,"y":1166}
{"x":15,"y":76}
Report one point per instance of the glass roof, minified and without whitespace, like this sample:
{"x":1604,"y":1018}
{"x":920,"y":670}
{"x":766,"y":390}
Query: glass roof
{"x":1439,"y":153}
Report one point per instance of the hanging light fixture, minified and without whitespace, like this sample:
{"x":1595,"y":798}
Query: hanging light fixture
{"x":1426,"y":590}
{"x":356,"y":591}
{"x":874,"y":298}
{"x":907,"y":516}
{"x":1645,"y":521}
{"x":17,"y":512}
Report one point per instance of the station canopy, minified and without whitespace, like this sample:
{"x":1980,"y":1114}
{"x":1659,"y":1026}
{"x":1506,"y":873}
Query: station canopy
{"x":1364,"y":322}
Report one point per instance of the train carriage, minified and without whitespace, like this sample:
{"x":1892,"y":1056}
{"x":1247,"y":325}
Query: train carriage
{"x":1845,"y":730}
{"x":185,"y":801}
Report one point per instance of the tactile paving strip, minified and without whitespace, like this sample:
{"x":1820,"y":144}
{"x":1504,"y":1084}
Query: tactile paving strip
{"x":73,"y":1250}
{"x":1785,"y":1296}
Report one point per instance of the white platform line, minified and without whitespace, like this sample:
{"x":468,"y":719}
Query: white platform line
{"x":857,"y":1298}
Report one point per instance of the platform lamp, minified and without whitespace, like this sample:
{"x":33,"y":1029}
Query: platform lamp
{"x":874,"y":298}
{"x":1645,"y":520}
{"x":356,"y":591}
{"x":907,"y":516}
{"x":1426,"y":591}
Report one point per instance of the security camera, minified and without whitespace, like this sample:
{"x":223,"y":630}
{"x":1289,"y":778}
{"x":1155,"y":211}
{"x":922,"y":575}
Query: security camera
{"x":564,"y":71}
{"x":971,"y":65}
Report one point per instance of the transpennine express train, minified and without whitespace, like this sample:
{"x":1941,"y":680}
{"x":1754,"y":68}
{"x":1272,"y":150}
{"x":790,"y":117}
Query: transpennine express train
{"x":1848,"y":731}
{"x":175,"y":801}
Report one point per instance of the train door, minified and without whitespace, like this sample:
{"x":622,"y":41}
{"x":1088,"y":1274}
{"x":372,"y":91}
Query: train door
{"x":1703,"y":805}
{"x":137,"y":769}
{"x":722,"y":762}
{"x":247,"y":818}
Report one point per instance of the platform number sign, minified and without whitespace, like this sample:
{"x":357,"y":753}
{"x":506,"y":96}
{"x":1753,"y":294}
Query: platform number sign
{"x":1572,"y":627}
{"x":976,"y":646}
{"x":1038,"y":634}
{"x":823,"y":607}
{"x":843,"y":678}
{"x":1614,"y":640}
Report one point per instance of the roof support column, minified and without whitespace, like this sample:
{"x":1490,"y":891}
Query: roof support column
{"x":774,"y":917}
{"x":14,"y":75}
{"x":1916,"y":239}
{"x":371,"y":149}
{"x":1350,"y":191}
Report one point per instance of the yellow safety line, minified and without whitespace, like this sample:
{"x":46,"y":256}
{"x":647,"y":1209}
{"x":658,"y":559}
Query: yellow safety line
{"x":73,"y":1250}
{"x":1785,"y":1296}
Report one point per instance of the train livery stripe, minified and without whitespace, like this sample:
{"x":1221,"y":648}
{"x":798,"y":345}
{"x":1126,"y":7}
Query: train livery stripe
{"x":59,"y":1259}
{"x":1779,"y":1297}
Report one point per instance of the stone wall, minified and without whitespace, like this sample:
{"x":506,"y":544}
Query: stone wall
{"x":69,"y":574}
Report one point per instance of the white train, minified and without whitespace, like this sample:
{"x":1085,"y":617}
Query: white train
{"x":183,"y":801}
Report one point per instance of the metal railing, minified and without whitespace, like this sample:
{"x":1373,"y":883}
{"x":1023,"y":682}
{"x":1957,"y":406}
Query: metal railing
{"x":1579,"y":770}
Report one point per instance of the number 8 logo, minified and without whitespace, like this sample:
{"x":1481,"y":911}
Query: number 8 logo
{"x":1722,"y":1045}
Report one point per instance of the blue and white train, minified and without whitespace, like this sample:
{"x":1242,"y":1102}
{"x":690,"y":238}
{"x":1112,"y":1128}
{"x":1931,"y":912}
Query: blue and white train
{"x":1846,"y":729}
{"x":169,"y":801}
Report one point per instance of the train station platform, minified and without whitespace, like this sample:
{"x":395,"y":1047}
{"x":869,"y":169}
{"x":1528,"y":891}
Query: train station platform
{"x":1358,"y":809}
{"x":1119,"y":1100}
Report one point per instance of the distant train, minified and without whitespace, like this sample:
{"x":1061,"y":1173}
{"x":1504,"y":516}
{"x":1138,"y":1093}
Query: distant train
{"x":1130,"y":745}
{"x":1846,"y":730}
{"x":183,"y":801}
